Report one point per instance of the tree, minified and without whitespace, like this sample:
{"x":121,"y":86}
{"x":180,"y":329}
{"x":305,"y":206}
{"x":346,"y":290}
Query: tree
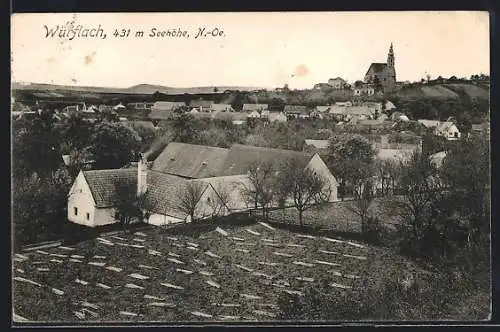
{"x":422,"y":189}
{"x":302,"y":185}
{"x":465,"y":171}
{"x":183,"y":128}
{"x":130,"y":206}
{"x":350,"y":159}
{"x":34,"y":141}
{"x":113,"y":145}
{"x":39,"y":206}
{"x":189,"y":197}
{"x":261,"y":176}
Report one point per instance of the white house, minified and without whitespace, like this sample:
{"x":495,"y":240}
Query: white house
{"x":95,"y":194}
{"x":448,"y":130}
{"x":254,"y":115}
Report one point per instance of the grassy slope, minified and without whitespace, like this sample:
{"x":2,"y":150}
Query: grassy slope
{"x":37,"y":303}
{"x":444,"y":91}
{"x":339,"y":216}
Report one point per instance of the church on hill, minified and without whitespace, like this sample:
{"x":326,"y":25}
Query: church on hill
{"x":383,"y":75}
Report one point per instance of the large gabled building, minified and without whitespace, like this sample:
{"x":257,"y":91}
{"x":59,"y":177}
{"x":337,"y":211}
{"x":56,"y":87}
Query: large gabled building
{"x":95,"y":195}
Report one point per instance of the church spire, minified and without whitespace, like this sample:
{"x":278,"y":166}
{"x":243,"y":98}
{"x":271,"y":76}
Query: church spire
{"x":390,"y":57}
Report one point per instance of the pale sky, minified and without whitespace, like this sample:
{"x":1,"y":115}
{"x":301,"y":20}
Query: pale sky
{"x":258,"y":49}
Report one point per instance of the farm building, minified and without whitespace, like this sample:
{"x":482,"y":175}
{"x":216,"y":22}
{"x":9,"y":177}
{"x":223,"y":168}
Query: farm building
{"x":95,"y":195}
{"x":255,"y":107}
{"x":295,"y":110}
{"x":448,"y":130}
{"x":276,"y":116}
{"x":322,"y":86}
{"x":119,"y":107}
{"x":394,"y":154}
{"x":337,"y":82}
{"x":221,"y":108}
{"x":343,"y":103}
{"x":323,"y":109}
{"x":429,"y":123}
{"x":319,"y":146}
{"x":145,"y":106}
{"x":253,"y":115}
{"x":163,"y":110}
{"x":201,"y":105}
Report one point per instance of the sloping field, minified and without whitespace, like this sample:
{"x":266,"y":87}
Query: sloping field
{"x":444,"y":91}
{"x":473,"y":91}
{"x":438,"y":91}
{"x":230,"y":274}
{"x":339,"y":216}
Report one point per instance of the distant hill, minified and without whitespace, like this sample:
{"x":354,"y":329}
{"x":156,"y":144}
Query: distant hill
{"x":136,"y":89}
{"x":444,"y":91}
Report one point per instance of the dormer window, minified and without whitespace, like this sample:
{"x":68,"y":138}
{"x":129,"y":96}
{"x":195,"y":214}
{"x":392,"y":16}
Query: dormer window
{"x":172,"y":158}
{"x":204,"y":163}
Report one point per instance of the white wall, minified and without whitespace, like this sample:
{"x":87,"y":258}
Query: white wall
{"x":162,"y":220}
{"x":80,"y":197}
{"x":318,"y":165}
{"x":104,"y":216}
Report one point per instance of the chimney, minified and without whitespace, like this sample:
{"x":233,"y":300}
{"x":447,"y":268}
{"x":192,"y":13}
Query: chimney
{"x":142,"y":173}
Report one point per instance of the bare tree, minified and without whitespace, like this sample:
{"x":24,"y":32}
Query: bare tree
{"x":261,"y":191}
{"x":220,"y":200}
{"x":388,"y":173}
{"x":363,"y":198}
{"x":189,"y":197}
{"x":303,"y":186}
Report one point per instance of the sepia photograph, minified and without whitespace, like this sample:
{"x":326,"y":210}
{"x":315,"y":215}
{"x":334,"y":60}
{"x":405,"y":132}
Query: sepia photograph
{"x":250,"y":167}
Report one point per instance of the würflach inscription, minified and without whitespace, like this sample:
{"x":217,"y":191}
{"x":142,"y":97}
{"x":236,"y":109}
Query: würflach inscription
{"x":72,"y":30}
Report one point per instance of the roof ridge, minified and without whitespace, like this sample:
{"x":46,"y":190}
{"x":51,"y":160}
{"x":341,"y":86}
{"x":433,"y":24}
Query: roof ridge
{"x":272,"y":149}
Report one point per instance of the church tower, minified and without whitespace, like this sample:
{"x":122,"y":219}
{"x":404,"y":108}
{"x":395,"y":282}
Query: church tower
{"x":390,"y":58}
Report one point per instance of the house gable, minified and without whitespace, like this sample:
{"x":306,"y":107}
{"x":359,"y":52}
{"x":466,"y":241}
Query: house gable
{"x":81,"y":207}
{"x":317,"y":165}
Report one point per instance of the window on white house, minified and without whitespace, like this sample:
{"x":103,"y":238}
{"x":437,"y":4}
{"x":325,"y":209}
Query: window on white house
{"x":88,"y":216}
{"x":75,"y":211}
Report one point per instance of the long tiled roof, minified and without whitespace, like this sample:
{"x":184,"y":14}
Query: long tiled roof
{"x":240,"y":158}
{"x":190,"y":161}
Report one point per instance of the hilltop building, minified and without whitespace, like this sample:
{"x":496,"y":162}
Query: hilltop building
{"x":383,"y":74}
